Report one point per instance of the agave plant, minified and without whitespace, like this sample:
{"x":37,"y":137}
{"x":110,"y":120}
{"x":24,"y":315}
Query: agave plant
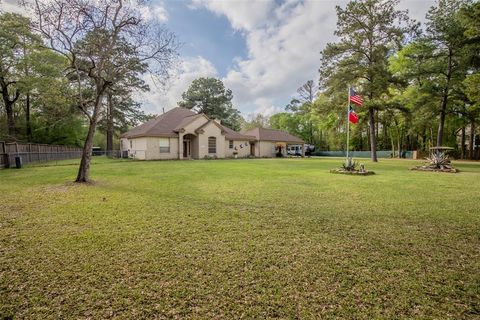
{"x":439,"y":160}
{"x":349,"y":165}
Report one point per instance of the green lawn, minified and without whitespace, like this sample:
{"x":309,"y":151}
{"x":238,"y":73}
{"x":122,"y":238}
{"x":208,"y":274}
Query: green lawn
{"x":240,"y":239}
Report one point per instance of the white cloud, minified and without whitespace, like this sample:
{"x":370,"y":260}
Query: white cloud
{"x":156,"y":11}
{"x":417,"y":9}
{"x":265,"y":106}
{"x":167,"y":97}
{"x":282,"y":55}
{"x":284,"y":42}
{"x":242,"y":14}
{"x":12,"y":6}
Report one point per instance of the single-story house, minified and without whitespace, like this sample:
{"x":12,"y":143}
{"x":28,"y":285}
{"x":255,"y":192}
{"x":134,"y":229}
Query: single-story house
{"x":183,"y":134}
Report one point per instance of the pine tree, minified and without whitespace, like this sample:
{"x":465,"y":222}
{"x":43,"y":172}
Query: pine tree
{"x":369,"y":31}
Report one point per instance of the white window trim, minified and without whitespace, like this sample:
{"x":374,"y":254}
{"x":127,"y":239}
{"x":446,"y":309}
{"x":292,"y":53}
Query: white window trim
{"x":208,"y":145}
{"x":164,"y":149}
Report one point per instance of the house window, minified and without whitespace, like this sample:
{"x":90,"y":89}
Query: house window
{"x":164,"y":145}
{"x":230,"y":144}
{"x":212,"y":145}
{"x":131,"y":144}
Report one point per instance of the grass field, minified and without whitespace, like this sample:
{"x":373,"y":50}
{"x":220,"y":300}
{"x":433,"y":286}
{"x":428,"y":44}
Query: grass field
{"x":240,"y":239}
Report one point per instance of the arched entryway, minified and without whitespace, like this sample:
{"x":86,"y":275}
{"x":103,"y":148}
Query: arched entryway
{"x":188,"y":145}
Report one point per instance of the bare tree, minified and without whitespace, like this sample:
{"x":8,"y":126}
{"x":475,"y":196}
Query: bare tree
{"x":104,"y":42}
{"x":303,"y":106}
{"x":307,"y":92}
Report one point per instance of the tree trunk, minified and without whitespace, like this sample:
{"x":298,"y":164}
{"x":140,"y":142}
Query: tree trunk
{"x":424,"y":138}
{"x":392,"y":143}
{"x":462,"y":156}
{"x":368,"y":138}
{"x":27,"y":117}
{"x":9,"y":103}
{"x":27,"y":101}
{"x":399,"y":146}
{"x":84,"y":169}
{"x":397,"y":132}
{"x":441,"y":123}
{"x":361,"y":140}
{"x":10,"y":120}
{"x":373,"y":140}
{"x":385,"y":135}
{"x":109,"y":124}
{"x":472,"y":139}
{"x":311,"y":132}
{"x":443,"y":104}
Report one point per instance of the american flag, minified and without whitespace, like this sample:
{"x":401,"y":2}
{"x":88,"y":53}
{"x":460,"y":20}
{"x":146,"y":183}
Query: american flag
{"x":355,"y":98}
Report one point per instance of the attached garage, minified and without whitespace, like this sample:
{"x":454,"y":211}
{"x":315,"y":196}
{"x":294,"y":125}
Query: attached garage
{"x":269,"y":142}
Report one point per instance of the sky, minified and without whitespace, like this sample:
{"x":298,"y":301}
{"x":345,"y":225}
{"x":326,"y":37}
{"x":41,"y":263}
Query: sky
{"x":263,"y":50}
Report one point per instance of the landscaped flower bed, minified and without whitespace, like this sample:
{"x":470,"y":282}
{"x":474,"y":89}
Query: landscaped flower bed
{"x":437,"y":162}
{"x":350,"y":167}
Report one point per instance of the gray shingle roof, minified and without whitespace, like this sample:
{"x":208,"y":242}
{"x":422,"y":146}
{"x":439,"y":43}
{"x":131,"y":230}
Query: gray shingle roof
{"x":162,"y":126}
{"x":273,"y":135}
{"x":234,"y":135}
{"x":169,"y":123}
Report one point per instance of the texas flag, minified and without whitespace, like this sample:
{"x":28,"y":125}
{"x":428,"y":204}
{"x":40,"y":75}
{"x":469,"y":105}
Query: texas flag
{"x":355,"y":98}
{"x":352,"y":116}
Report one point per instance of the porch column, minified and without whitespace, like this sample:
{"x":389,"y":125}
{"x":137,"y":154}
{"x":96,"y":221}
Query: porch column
{"x":180,"y":146}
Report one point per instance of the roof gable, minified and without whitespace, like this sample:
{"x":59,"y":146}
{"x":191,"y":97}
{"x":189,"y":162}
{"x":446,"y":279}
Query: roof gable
{"x":172,"y":121}
{"x":164,"y":125}
{"x":186,"y":121}
{"x":215,"y":123}
{"x":273,"y":135}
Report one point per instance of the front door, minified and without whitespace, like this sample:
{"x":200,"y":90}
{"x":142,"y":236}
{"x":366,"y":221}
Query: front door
{"x":252,"y":149}
{"x":186,"y":148}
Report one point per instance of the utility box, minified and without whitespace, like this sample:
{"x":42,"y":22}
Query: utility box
{"x":415,"y":155}
{"x":18,"y":162}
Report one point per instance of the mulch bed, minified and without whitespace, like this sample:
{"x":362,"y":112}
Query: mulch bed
{"x":352,"y":173}
{"x":429,"y":169}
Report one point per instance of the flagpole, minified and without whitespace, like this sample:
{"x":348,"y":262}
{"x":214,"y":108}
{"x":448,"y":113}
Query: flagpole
{"x":348,"y":121}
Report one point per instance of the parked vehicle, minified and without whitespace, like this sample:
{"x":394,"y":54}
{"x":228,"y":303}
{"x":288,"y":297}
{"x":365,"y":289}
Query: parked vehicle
{"x":309,"y":149}
{"x":296,"y":150}
{"x":97,"y":151}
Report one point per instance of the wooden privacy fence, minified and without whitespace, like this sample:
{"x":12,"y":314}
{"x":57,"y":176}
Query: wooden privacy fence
{"x":30,"y":153}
